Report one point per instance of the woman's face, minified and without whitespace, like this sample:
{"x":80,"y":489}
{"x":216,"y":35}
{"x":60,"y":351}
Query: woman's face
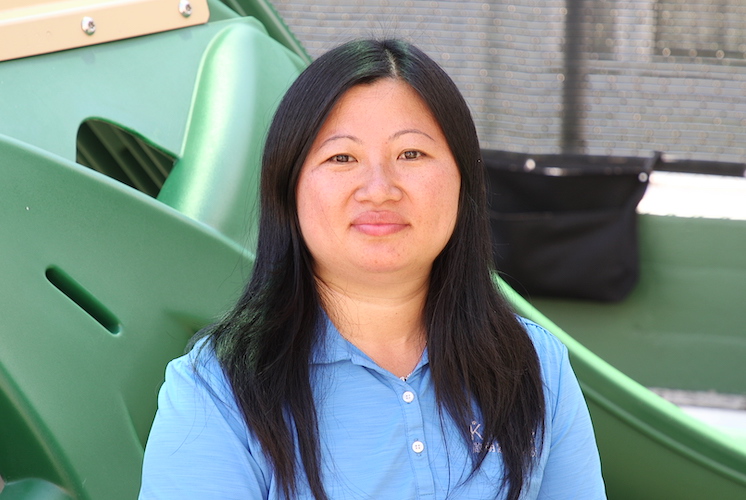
{"x":379,"y":190}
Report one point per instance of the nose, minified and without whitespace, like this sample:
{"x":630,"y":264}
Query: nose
{"x":379,"y":184}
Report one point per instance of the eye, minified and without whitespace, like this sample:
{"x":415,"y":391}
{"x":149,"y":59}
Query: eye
{"x":411,"y":155}
{"x":341,"y":159}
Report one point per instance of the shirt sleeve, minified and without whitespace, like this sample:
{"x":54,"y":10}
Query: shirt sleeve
{"x":573,"y":468}
{"x":199,"y":445}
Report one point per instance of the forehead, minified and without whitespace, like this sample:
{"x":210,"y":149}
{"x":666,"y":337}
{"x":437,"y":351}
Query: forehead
{"x":386,"y":101}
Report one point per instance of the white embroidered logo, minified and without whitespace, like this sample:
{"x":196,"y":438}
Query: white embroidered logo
{"x":476,"y":439}
{"x":474,"y":429}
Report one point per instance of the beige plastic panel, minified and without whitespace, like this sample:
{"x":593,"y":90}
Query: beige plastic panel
{"x":31,"y":27}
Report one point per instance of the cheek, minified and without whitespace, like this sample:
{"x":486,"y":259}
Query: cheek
{"x":314,"y":209}
{"x":305,"y":208}
{"x":449,"y":216}
{"x":445,"y":202}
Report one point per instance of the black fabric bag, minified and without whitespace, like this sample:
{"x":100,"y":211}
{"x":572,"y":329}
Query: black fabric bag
{"x":566,"y":225}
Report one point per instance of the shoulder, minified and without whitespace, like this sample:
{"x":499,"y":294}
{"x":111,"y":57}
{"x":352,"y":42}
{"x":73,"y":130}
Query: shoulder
{"x":196,"y":386}
{"x":571,"y":467}
{"x":200,"y":366}
{"x":199,"y":445}
{"x":549,"y":348}
{"x":556,"y":372}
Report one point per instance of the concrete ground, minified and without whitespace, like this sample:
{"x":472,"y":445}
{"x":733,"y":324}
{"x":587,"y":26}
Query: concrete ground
{"x":695,"y":195}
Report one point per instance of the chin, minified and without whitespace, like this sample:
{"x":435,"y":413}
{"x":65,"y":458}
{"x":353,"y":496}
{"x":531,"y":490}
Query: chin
{"x":396,"y":269}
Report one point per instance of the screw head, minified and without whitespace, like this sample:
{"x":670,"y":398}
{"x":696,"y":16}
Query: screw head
{"x":185,"y":8}
{"x":88,"y":25}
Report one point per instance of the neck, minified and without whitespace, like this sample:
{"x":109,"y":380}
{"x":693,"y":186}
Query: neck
{"x":385,"y":322}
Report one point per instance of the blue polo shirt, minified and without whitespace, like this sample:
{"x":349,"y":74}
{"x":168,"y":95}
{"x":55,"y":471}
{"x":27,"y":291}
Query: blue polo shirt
{"x":381,"y":437}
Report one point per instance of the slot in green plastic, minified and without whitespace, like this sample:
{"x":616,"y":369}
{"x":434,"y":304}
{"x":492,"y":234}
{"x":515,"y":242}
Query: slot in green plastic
{"x":83,"y":299}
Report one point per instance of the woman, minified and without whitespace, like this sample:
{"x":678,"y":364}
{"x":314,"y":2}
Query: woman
{"x":370,"y":355}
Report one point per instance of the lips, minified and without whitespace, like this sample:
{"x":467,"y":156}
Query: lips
{"x":379,"y":223}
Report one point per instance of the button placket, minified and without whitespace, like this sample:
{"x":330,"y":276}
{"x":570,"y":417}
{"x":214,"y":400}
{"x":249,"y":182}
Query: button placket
{"x":411,"y":406}
{"x":408,"y":396}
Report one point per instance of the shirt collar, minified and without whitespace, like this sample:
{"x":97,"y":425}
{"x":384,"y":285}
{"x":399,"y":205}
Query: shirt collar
{"x":330,"y":346}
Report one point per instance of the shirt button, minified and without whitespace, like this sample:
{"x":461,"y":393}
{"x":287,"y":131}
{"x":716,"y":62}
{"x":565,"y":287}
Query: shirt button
{"x":408,"y":396}
{"x":418,"y":446}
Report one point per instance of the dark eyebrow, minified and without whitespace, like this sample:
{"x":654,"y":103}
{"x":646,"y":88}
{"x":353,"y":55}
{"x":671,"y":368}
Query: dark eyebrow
{"x":340,"y":136}
{"x":411,"y":131}
{"x":358,"y":141}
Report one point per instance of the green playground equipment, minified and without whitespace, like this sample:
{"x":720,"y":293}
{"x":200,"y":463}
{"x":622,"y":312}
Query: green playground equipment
{"x":102,"y":283}
{"x":127,"y":221}
{"x":682,"y":327}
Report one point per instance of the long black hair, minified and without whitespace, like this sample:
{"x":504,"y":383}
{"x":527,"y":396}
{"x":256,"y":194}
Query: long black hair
{"x":478,"y":351}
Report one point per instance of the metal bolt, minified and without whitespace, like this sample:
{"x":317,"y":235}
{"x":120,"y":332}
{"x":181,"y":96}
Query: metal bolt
{"x":185,"y":7}
{"x":88,"y":25}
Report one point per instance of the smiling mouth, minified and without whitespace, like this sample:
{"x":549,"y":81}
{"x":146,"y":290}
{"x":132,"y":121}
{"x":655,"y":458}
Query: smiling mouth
{"x":379,"y":223}
{"x":379,"y":229}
